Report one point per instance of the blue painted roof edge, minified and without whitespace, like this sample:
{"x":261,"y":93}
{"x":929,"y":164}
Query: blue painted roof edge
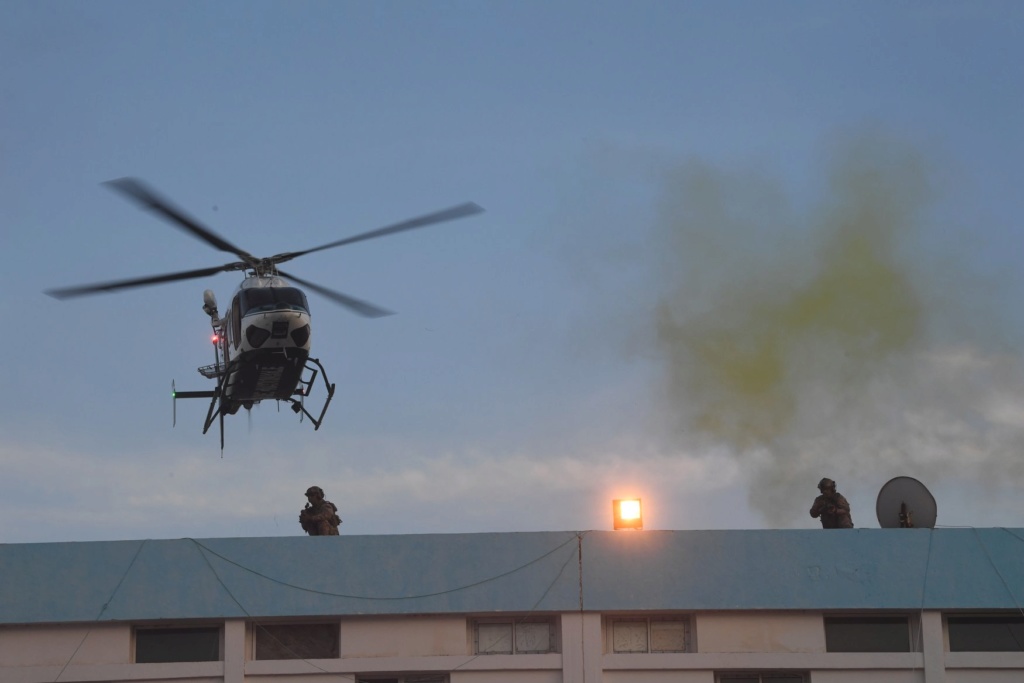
{"x":830,"y":570}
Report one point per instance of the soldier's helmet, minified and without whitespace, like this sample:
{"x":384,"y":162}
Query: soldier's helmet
{"x":826,"y":483}
{"x":315,"y":490}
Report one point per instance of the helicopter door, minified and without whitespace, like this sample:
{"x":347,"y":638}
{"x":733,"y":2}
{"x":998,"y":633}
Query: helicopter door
{"x":236,"y":320}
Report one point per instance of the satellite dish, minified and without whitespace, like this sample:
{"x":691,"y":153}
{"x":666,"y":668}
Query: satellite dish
{"x":905,"y":502}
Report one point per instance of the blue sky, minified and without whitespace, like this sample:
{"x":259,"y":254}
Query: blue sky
{"x":672,"y":188}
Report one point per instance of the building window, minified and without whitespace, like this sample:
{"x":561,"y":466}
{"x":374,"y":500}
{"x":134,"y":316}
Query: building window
{"x":177,"y":644}
{"x":867,"y":634}
{"x":650,"y":634}
{"x":986,"y":634}
{"x":295,"y":641}
{"x":514,"y":636}
{"x":761,"y":677}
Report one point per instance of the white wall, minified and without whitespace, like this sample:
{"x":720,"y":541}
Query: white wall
{"x":868,"y":676}
{"x":658,"y":677}
{"x":506,"y":677}
{"x":404,"y":637}
{"x":748,"y":641}
{"x":982,"y":676}
{"x":759,"y":632}
{"x":54,"y":645}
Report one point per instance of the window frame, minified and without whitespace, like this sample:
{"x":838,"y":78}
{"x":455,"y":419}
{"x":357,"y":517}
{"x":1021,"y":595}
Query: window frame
{"x":649,"y":620}
{"x":554,"y":641}
{"x":218,"y":628}
{"x":256,"y":626}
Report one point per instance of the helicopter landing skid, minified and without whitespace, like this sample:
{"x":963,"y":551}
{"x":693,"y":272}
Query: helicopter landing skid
{"x":216,"y":409}
{"x":304,"y":389}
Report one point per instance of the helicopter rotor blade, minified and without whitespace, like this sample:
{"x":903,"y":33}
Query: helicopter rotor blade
{"x":358,"y":306}
{"x":136,"y":190}
{"x":453,"y":213}
{"x":114,"y":285}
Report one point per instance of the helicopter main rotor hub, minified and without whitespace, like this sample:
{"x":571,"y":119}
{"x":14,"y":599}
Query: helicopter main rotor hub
{"x":264,"y":267}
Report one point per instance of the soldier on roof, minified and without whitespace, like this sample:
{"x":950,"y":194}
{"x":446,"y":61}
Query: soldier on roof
{"x":320,"y":517}
{"x":831,"y":507}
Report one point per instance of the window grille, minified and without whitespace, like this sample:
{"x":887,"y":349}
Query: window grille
{"x":296,"y":641}
{"x":514,"y":636}
{"x":650,"y":634}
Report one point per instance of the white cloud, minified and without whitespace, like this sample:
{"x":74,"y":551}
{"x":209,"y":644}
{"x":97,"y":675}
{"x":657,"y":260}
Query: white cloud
{"x":73,"y":495}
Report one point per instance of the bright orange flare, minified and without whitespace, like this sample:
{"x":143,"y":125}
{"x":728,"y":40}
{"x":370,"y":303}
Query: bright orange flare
{"x":626,"y":514}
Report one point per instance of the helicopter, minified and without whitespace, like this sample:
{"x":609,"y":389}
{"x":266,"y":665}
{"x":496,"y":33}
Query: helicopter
{"x":262,"y":341}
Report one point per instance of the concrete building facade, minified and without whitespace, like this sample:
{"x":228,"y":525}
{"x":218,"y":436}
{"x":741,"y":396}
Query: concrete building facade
{"x":783,"y":606}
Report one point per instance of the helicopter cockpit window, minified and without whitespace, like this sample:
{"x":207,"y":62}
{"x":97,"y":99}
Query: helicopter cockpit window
{"x":263,"y":299}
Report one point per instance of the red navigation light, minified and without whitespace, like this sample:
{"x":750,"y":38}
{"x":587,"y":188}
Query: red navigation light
{"x":215,"y":339}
